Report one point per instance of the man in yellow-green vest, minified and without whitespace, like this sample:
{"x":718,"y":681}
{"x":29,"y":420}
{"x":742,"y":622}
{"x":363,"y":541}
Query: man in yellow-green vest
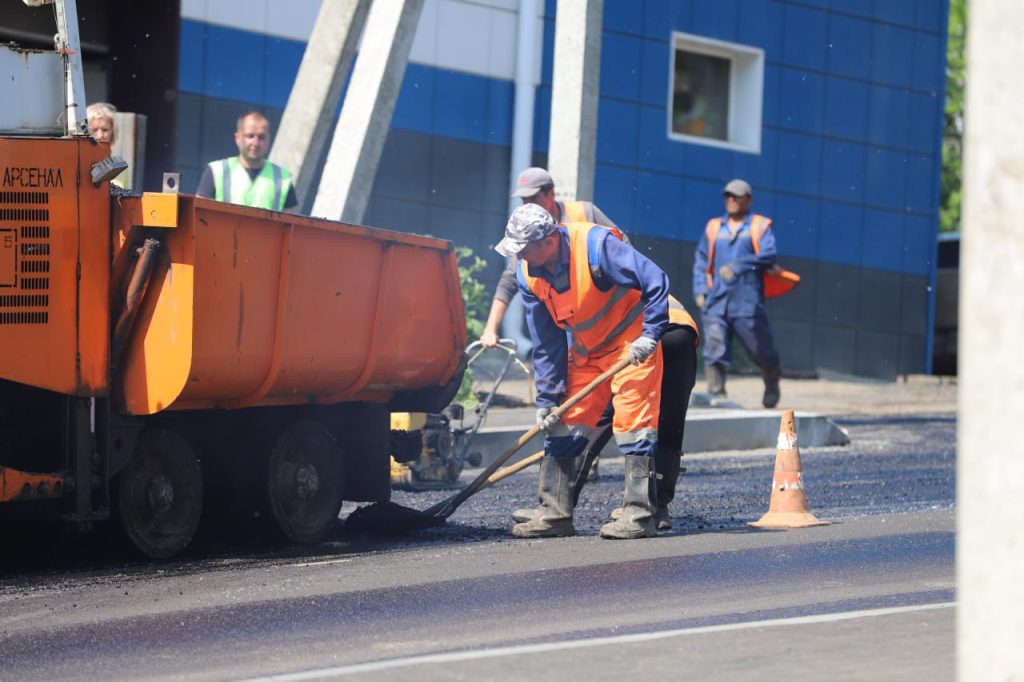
{"x":249,"y":179}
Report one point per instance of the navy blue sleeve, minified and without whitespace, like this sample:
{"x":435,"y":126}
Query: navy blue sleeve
{"x":621,"y":265}
{"x":550,"y":348}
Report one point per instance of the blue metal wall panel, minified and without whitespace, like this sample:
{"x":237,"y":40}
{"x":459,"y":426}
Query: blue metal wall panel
{"x":414,"y":109}
{"x":846,"y":108}
{"x":283,"y":60}
{"x":654,"y":80}
{"x":886,"y":181}
{"x":929,"y":62}
{"x":844,"y":167}
{"x":882,"y":240}
{"x":806,"y":36}
{"x":624,"y":17}
{"x":895,"y":11}
{"x":841,"y":227}
{"x":758,"y":169}
{"x":652,"y":151}
{"x":717,"y":19}
{"x":888,"y":111}
{"x":459,"y":105}
{"x":799,"y":163}
{"x":797,"y":221}
{"x":234,"y":67}
{"x":615,"y":190}
{"x":620,"y":75}
{"x":804,"y":94}
{"x":762,"y":24}
{"x":918,"y":245}
{"x":850,"y":46}
{"x":892,"y":54}
{"x":931,"y":15}
{"x":192,"y":56}
{"x":661,"y":17}
{"x":618,"y":131}
{"x":924,"y":112}
{"x":659,"y":202}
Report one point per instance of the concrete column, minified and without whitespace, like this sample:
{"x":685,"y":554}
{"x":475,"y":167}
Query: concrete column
{"x":990,"y":454}
{"x":574,"y":90}
{"x":130,"y":144}
{"x":299,"y":142}
{"x":366,"y":115}
{"x":528,"y":39}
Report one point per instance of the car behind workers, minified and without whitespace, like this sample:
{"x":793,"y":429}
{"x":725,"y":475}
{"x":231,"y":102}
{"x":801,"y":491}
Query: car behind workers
{"x":590,"y":300}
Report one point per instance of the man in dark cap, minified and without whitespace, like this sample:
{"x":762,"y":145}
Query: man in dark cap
{"x":536,"y":186}
{"x":732,"y":256}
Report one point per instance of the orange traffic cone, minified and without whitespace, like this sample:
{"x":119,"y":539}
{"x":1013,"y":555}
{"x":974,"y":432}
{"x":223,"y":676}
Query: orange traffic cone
{"x":788,"y":506}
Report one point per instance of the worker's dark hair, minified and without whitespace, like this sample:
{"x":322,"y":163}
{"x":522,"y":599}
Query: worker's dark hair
{"x":254,"y":114}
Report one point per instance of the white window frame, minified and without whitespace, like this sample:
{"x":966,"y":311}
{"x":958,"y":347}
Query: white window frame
{"x":746,"y":91}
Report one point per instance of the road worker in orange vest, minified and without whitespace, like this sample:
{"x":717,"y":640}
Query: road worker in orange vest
{"x":732,"y":256}
{"x":590,"y":300}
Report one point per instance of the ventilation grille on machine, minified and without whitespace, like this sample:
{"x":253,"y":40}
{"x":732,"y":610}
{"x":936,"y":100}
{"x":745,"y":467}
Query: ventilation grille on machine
{"x":24,"y":257}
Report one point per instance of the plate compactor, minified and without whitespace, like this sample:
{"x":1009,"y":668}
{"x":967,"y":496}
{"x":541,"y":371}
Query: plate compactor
{"x":429,"y":451}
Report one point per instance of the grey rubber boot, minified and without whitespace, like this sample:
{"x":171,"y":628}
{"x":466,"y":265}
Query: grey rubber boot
{"x":553,"y":518}
{"x":771,"y":388}
{"x":638,"y":500}
{"x":667,"y":464}
{"x":716,"y":380}
{"x":524,"y":514}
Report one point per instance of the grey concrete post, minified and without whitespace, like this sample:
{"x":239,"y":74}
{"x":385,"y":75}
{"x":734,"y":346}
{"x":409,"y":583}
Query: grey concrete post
{"x":990,"y":456}
{"x":366,"y":115}
{"x":574,"y":89}
{"x":130,"y":144}
{"x":302,"y":135}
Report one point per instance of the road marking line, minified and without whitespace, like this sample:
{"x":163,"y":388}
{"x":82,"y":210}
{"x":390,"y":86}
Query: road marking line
{"x":497,"y":652}
{"x":320,"y":563}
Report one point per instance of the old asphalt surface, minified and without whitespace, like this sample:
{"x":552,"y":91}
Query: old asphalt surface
{"x":869,"y":597}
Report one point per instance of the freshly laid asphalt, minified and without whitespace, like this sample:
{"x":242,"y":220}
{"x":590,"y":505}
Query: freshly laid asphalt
{"x":870,"y":597}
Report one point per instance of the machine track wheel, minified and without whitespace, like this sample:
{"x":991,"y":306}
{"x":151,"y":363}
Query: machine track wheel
{"x":305,"y":481}
{"x":160,"y":494}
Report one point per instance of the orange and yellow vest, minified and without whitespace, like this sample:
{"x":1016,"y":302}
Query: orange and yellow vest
{"x":599,"y":322}
{"x":777,"y":280}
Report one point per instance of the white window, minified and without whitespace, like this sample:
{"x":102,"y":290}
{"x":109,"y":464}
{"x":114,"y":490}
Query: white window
{"x":715,"y":93}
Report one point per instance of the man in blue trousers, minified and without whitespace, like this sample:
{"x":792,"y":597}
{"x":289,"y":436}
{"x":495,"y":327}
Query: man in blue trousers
{"x":728,"y":270}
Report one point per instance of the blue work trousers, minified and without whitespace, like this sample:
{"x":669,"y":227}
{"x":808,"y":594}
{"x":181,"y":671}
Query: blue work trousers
{"x":753,"y":332}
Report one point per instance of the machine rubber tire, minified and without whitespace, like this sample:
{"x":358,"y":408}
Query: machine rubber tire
{"x":305,"y":481}
{"x":160,"y":494}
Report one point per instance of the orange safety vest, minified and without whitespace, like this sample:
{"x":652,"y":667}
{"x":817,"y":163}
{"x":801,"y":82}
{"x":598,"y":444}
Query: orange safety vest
{"x":677,"y":315}
{"x":599,"y":322}
{"x":575,"y":212}
{"x":777,"y":280}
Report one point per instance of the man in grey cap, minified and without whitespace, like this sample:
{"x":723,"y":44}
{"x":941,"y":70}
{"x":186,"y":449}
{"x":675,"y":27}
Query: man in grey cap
{"x":581,"y":278}
{"x":732,"y":256}
{"x":535,"y":186}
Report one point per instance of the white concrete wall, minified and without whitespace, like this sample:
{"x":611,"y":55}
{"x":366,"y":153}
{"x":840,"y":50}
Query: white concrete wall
{"x":990,"y":467}
{"x":473,"y":36}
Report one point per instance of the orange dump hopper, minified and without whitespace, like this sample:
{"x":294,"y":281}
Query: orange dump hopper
{"x":251,"y":308}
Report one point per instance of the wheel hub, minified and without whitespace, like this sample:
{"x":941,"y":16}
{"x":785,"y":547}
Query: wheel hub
{"x":160,"y":493}
{"x":307,"y":481}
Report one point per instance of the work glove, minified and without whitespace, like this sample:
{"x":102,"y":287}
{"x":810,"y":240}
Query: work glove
{"x":726,"y":272}
{"x":546,"y":421}
{"x":699,"y":300}
{"x":641,"y":349}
